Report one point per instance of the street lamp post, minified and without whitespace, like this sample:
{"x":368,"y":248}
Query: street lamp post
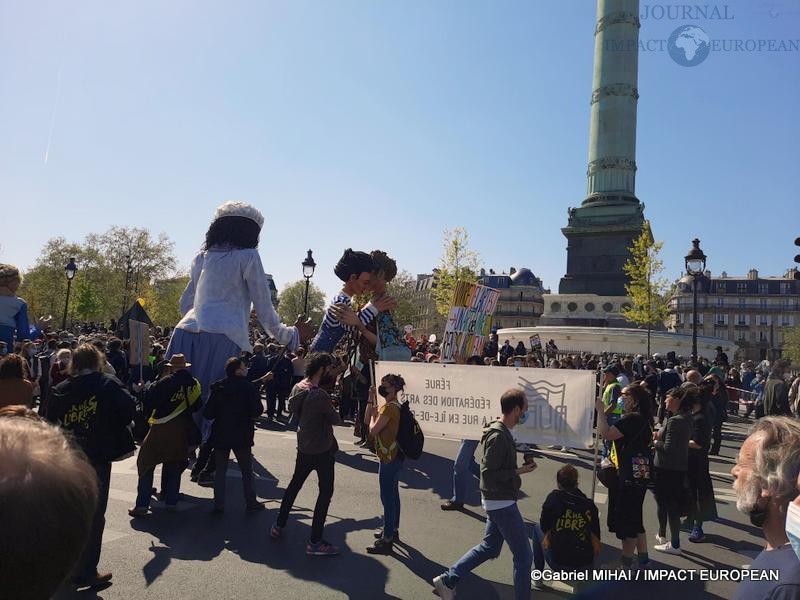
{"x":69,"y":269}
{"x":695,"y":266}
{"x":308,"y":272}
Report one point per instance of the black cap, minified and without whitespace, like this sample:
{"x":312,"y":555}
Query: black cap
{"x":613,"y":369}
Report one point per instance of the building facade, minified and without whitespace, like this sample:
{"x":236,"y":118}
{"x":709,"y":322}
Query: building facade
{"x":752,"y":311}
{"x":520,"y":303}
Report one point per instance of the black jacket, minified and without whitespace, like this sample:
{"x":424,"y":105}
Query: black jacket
{"x":95,"y":408}
{"x":569,"y":520}
{"x":166,"y":395}
{"x":234,"y":404}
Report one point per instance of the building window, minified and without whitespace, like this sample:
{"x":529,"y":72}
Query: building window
{"x":520,"y":297}
{"x":554,"y":307}
{"x":608,"y":307}
{"x":589,"y":307}
{"x":720,"y":287}
{"x":721,"y":319}
{"x":787,"y":320}
{"x":763,"y":303}
{"x":741,"y":288}
{"x":720,"y":301}
{"x":742,"y":302}
{"x":786,"y":288}
{"x":572,"y":307}
{"x":763,"y":288}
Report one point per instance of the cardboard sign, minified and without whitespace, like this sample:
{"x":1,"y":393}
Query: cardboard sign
{"x":469,"y":323}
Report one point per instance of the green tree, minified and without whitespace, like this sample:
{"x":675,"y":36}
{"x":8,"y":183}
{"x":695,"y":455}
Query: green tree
{"x":791,"y":345}
{"x":458,"y":263}
{"x":290,"y":302}
{"x":648,"y":290}
{"x":99,"y":290}
{"x":162,"y":300}
{"x":401,"y":288}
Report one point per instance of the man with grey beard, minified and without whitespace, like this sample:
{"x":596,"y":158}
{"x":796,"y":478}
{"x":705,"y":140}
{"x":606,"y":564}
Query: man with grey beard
{"x":765,"y":482}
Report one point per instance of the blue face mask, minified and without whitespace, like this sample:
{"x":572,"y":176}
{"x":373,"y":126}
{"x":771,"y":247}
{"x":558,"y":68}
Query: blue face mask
{"x":523,"y":417}
{"x":793,"y":527}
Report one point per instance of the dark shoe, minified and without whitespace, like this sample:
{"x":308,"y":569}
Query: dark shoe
{"x":206,"y":480}
{"x":450,"y":505}
{"x":697,"y":535}
{"x":321,"y":548}
{"x":138,"y":511}
{"x":194,"y":475}
{"x":378,"y":533}
{"x":99,"y":580}
{"x":256,"y":507}
{"x":275,"y":531}
{"x":381,"y":546}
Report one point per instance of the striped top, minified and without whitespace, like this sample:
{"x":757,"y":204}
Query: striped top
{"x":332,"y":329}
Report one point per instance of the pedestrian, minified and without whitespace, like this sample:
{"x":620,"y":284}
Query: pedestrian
{"x":671,"y":444}
{"x":233,"y":406}
{"x":776,"y":392}
{"x":97,"y":410}
{"x":15,"y":386}
{"x":765,"y":482}
{"x":170,"y":403}
{"x":702,"y":504}
{"x":613,"y":403}
{"x":384,"y":423}
{"x":567,"y":536}
{"x":500,"y":485}
{"x":717,"y":396}
{"x":632,"y":436}
{"x":733,"y":385}
{"x":49,"y":497}
{"x":316,"y":450}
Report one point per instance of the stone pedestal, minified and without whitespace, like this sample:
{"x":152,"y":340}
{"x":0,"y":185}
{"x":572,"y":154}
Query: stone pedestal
{"x":584,"y":310}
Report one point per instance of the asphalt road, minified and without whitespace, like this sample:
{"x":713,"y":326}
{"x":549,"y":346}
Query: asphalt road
{"x":194,"y":554}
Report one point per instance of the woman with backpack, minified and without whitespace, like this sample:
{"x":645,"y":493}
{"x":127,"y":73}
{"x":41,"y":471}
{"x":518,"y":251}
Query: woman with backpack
{"x":384,"y":423}
{"x":632,"y":436}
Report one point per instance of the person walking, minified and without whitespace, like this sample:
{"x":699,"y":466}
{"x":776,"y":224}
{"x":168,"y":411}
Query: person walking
{"x":671,"y":444}
{"x":170,"y":403}
{"x":97,"y":409}
{"x":316,"y":450}
{"x":717,"y":395}
{"x":384,"y":423}
{"x":702,"y":504}
{"x":15,"y":386}
{"x":500,"y":485}
{"x":234,"y":405}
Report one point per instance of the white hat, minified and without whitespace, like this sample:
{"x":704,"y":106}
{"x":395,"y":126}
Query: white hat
{"x":239,"y":209}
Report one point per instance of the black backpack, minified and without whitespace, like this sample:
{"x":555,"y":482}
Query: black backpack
{"x":409,"y":434}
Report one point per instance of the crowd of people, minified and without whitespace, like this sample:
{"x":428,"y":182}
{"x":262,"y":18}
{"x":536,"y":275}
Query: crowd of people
{"x":72,"y":402}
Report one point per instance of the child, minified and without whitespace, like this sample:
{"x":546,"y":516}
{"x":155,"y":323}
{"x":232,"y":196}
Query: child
{"x":13,"y":310}
{"x":355,"y":270}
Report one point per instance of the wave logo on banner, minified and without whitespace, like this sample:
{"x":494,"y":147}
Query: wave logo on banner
{"x":547,"y":408}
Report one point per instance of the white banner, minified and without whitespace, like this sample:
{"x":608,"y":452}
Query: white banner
{"x":460,"y":400}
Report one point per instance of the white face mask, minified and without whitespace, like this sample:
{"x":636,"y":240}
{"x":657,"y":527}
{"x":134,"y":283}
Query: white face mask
{"x":793,"y":527}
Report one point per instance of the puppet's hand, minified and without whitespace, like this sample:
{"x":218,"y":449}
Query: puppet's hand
{"x":345,"y":314}
{"x":385,"y":303}
{"x":305,"y":329}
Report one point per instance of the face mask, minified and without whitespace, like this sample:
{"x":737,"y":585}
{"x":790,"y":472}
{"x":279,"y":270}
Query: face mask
{"x":383,"y":391}
{"x":793,"y":527}
{"x":523,"y":417}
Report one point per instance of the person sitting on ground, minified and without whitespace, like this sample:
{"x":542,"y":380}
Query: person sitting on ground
{"x":48,"y":497}
{"x":568,"y":533}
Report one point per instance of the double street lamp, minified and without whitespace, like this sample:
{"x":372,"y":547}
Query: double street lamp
{"x":70,"y":270}
{"x":695,"y":266}
{"x":308,"y":272}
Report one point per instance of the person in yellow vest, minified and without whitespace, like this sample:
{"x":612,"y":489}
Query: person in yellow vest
{"x":170,"y":403}
{"x":612,"y":400}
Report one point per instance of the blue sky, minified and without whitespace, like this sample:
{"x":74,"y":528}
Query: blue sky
{"x":380,"y":124}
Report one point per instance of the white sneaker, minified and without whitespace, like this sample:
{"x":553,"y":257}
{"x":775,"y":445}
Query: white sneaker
{"x":660,"y":540}
{"x":441,"y":588}
{"x":667,"y":548}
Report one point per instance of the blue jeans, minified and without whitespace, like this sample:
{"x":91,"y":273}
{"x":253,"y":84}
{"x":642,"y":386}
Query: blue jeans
{"x":170,"y":485}
{"x":506,"y":525}
{"x":462,"y":468}
{"x":389,"y":480}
